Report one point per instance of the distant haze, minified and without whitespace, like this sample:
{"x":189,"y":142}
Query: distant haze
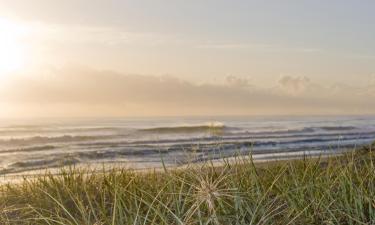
{"x":84,"y":92}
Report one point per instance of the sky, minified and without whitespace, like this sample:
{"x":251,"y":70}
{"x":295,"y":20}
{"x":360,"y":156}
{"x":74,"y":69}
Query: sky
{"x":169,"y":58}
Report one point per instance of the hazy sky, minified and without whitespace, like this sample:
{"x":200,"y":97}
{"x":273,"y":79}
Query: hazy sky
{"x":119,"y":58}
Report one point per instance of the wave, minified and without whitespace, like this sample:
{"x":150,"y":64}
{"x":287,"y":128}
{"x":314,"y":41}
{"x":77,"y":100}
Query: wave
{"x":44,"y":139}
{"x":284,"y":135}
{"x":277,"y":132}
{"x":301,"y":131}
{"x":174,"y":154}
{"x":43,"y":162}
{"x":209,"y":128}
{"x":337,"y":128}
{"x":239,"y":137}
{"x":28,"y":149}
{"x":220,"y":128}
{"x":39,"y":164}
{"x":224,"y":145}
{"x":63,"y":131}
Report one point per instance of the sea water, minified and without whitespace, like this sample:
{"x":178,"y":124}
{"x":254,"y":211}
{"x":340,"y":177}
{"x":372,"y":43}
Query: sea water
{"x":30,"y":145}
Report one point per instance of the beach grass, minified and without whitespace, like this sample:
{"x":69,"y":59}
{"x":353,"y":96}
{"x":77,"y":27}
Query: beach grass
{"x":334,"y":190}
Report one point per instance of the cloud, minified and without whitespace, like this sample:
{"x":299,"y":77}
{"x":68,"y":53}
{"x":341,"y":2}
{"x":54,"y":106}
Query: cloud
{"x":369,"y":90}
{"x":239,"y":82}
{"x":303,"y":87}
{"x":372,"y":80}
{"x":265,"y":47}
{"x":74,"y":91}
{"x":294,"y":84}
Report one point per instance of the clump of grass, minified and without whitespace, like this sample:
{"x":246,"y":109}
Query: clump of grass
{"x":336,"y":190}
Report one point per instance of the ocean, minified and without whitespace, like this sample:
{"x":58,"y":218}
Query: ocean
{"x":141,"y":143}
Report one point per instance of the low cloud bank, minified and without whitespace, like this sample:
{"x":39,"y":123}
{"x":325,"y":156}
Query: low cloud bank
{"x":86,"y":92}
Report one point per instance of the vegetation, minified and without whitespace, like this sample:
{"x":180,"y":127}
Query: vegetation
{"x":336,"y":190}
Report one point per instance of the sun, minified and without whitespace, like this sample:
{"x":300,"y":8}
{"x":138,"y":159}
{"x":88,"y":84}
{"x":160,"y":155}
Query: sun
{"x":12,"y":49}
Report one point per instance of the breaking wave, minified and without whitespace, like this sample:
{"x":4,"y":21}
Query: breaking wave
{"x":209,"y":127}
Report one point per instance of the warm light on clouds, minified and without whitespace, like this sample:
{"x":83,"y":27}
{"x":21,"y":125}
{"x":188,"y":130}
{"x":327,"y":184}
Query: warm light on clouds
{"x":311,"y":58}
{"x":79,"y":91}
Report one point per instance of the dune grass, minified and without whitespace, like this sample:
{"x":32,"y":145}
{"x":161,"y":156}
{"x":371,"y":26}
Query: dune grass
{"x":337,"y":190}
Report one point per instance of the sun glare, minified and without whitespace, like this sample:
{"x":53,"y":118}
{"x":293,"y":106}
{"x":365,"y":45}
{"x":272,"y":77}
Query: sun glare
{"x":12,"y":49}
